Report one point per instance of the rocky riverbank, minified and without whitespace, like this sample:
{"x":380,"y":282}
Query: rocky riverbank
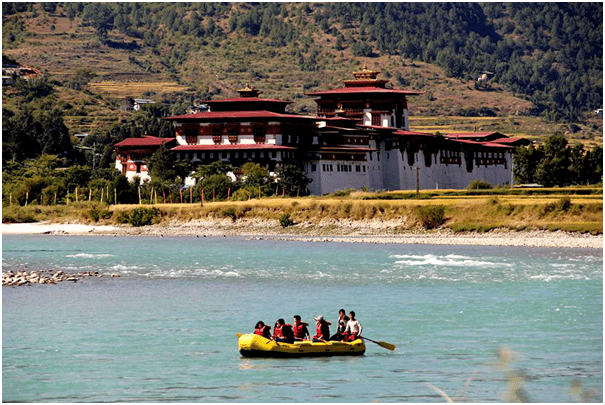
{"x":341,"y":231}
{"x":21,"y":278}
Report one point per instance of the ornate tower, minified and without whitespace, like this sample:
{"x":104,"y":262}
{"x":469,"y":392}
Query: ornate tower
{"x":367,"y":100}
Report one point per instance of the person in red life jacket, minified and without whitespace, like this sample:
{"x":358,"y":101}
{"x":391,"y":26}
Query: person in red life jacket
{"x":300,"y":329}
{"x":282,"y":332}
{"x":353,"y":329}
{"x":342,"y":325}
{"x":262,"y":330}
{"x":323,"y":330}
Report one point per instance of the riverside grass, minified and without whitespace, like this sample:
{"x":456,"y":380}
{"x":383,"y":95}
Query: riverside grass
{"x":571,"y":209}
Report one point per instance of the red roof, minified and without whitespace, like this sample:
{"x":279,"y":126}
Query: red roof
{"x":242,"y":115}
{"x":373,"y":90}
{"x":474,"y":135}
{"x":246,"y":100}
{"x":258,"y":146}
{"x":145,"y":140}
{"x":513,"y":141}
{"x":484,"y":144}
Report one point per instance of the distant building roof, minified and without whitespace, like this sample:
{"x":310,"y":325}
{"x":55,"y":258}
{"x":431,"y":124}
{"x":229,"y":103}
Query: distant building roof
{"x":145,"y":140}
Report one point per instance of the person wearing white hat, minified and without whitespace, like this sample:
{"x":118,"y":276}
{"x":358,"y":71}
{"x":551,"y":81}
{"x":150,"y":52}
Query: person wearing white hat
{"x":323,"y":329}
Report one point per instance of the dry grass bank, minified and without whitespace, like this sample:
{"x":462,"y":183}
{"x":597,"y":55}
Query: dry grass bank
{"x":562,"y":209}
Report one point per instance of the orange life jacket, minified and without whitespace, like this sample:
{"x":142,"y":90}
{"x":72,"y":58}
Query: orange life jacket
{"x":263,"y":331}
{"x":323,"y":331}
{"x":299,"y":330}
{"x":277,"y":331}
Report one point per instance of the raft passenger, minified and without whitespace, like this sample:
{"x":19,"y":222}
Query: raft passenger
{"x":300,"y":329}
{"x":323,"y":330}
{"x":262,"y":330}
{"x":353,"y":329}
{"x":341,"y":326}
{"x":282,"y":332}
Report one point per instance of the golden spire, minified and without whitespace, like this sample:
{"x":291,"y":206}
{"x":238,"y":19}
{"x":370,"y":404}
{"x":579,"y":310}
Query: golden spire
{"x":248,"y":91}
{"x":366,"y":74}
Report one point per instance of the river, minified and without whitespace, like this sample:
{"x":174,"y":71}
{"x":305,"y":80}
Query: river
{"x":165,"y":330}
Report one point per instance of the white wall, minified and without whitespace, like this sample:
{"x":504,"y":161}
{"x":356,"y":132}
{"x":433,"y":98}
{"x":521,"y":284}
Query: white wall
{"x":450,"y":176}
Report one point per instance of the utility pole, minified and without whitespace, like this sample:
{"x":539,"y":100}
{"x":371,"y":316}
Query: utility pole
{"x":418,"y":182}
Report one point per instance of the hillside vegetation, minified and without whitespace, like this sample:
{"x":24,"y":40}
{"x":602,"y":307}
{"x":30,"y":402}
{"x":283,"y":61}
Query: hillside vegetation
{"x":546,"y":58}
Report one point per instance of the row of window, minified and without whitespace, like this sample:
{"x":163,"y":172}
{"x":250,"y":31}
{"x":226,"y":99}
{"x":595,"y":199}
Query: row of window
{"x":327,"y":167}
{"x":234,"y":155}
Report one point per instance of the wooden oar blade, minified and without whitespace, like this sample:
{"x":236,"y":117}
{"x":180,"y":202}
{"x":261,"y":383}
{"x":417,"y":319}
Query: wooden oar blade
{"x":386,"y":345}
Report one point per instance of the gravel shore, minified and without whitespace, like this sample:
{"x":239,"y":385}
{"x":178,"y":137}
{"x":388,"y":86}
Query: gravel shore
{"x":343,"y":231}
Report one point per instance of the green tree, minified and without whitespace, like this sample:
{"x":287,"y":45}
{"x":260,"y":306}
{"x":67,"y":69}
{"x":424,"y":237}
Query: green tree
{"x":213,"y":179}
{"x":165,"y":170}
{"x":254,"y":174}
{"x":293,"y":180}
{"x":525,"y":163}
{"x":553,"y":169}
{"x":101,"y":17}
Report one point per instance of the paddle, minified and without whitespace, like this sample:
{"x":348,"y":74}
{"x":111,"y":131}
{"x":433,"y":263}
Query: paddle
{"x":386,"y":345}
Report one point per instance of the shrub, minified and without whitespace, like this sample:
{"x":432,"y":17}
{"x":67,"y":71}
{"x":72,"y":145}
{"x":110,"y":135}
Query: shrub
{"x":285,"y":220}
{"x":431,"y":216}
{"x":479,"y":185}
{"x":95,"y":213}
{"x":229,"y":212}
{"x":564,"y":204}
{"x":143,"y":216}
{"x":17,"y":215}
{"x":123,"y":217}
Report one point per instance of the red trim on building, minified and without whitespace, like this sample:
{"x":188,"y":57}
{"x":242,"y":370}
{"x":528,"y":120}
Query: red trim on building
{"x":181,"y":148}
{"x":373,"y":90}
{"x":243,"y":115}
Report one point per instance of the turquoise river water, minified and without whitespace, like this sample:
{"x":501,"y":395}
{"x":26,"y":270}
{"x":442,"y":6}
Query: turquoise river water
{"x":165,"y":331}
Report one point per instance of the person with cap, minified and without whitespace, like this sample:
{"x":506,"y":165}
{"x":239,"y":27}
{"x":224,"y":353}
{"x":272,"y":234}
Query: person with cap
{"x":353,"y":329}
{"x":341,"y":326}
{"x":262,"y":330}
{"x":300,"y":329}
{"x":282,"y":332}
{"x":323,"y":329}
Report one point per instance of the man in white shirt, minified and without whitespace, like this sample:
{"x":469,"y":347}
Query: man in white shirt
{"x":353,"y":329}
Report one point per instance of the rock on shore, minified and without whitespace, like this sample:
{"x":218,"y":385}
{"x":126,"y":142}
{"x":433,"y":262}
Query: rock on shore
{"x":329,"y":230}
{"x":21,"y":278}
{"x":367,"y":231}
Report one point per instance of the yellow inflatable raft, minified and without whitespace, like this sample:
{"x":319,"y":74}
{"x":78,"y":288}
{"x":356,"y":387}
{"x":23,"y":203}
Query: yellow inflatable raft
{"x":251,"y":345}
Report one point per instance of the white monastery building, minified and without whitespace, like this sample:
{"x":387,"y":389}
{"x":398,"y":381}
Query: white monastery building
{"x":359,"y":139}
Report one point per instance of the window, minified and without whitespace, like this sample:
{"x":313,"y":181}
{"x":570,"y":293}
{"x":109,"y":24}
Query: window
{"x":375,"y":119}
{"x":259,"y":135}
{"x":313,"y":167}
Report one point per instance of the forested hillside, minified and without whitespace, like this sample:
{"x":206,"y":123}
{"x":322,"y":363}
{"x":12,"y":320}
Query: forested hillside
{"x":551,"y":53}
